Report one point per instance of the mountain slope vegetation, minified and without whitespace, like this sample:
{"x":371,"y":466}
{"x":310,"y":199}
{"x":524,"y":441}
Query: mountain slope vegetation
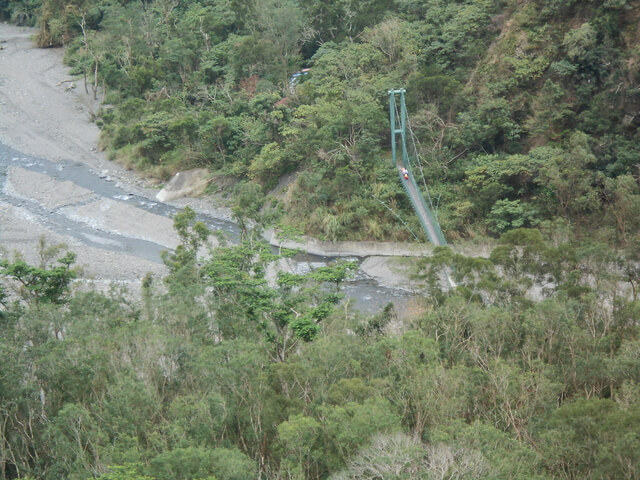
{"x":522,"y":111}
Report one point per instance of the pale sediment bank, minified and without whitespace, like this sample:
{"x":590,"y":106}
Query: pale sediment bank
{"x":391,"y":264}
{"x":368,"y":249}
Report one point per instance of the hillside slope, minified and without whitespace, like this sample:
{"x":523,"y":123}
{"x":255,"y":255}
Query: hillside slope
{"x":522,"y":112}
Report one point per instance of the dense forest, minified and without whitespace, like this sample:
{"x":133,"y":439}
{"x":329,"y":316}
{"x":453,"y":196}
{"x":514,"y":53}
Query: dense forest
{"x":525,"y":115}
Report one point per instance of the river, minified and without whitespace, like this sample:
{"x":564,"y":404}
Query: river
{"x":103,"y":191}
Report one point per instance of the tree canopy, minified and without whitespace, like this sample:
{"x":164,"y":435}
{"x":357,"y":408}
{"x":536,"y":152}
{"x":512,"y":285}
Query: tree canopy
{"x":229,"y":372}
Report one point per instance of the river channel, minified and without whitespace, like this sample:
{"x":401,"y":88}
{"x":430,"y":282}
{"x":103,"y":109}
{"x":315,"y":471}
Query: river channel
{"x":365,"y":294}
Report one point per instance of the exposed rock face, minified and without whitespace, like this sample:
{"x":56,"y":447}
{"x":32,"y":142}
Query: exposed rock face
{"x":189,"y":183}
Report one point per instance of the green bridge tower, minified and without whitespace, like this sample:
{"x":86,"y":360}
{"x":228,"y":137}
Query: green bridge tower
{"x":399,"y":120}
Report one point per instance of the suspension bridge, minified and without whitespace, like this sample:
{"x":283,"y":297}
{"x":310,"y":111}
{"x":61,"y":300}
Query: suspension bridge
{"x":403,"y":164}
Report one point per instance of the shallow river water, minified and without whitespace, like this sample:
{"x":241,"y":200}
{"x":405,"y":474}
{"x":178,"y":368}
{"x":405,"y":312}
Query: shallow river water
{"x":366,"y":294}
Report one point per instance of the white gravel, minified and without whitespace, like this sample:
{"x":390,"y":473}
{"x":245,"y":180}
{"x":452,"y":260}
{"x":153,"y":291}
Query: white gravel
{"x":45,"y":112}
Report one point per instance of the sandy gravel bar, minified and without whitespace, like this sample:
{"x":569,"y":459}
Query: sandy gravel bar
{"x":122,"y":219}
{"x":23,"y":230}
{"x":22,"y":183}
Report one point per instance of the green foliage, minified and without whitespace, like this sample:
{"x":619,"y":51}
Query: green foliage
{"x":249,"y":200}
{"x":552,"y":112}
{"x":292,"y":309}
{"x":593,"y":439}
{"x":194,"y":236}
{"x":506,"y":215}
{"x":579,"y":42}
{"x":197,"y":463}
{"x":269,"y":165}
{"x":44,"y":284}
{"x":299,"y":436}
{"x":349,"y":425}
{"x":216,"y":382}
{"x":20,"y":12}
{"x":489,"y":127}
{"x":125,"y":472}
{"x":337,"y":273}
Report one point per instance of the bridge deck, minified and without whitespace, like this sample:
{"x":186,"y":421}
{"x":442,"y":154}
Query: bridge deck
{"x":427,"y":220}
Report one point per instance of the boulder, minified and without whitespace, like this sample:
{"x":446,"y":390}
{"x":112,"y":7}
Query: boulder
{"x":189,"y":183}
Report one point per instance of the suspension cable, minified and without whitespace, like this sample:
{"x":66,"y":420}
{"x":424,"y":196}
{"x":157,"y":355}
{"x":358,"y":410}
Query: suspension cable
{"x":419,"y":162}
{"x":417,"y":156}
{"x":384,"y":204}
{"x":397,"y":216}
